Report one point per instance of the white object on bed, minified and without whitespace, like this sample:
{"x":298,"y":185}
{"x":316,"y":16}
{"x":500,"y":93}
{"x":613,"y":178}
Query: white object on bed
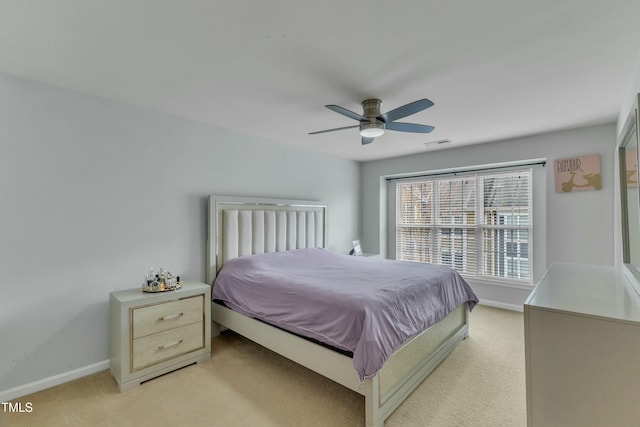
{"x":247,"y":234}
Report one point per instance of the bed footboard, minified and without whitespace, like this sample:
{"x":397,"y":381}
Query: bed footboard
{"x":408,"y":366}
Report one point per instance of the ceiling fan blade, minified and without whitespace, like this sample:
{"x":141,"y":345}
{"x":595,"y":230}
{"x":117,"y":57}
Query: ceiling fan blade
{"x":366,"y":140}
{"x":406,"y":110}
{"x":409,"y":127}
{"x":340,"y":110}
{"x":333,"y":130}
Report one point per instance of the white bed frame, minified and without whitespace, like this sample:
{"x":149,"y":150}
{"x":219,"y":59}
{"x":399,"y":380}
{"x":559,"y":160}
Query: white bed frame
{"x":240,"y":226}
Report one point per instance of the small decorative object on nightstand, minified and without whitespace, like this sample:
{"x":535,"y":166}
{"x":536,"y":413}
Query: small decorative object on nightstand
{"x":162,"y":281}
{"x":155,"y":333}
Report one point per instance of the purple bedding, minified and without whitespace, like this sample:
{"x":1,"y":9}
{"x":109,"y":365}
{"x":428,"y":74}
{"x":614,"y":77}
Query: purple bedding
{"x":368,"y":306}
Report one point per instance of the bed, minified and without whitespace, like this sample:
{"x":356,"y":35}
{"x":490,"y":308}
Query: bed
{"x":241,"y":227}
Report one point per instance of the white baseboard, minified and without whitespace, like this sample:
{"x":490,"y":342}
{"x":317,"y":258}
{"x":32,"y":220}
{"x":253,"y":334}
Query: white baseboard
{"x":23,"y":390}
{"x":502,"y":305}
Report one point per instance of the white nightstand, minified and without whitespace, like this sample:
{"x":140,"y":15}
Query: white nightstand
{"x":155,"y":333}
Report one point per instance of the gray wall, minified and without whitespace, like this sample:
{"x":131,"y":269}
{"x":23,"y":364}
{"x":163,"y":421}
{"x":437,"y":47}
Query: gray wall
{"x":578,"y":225}
{"x":631,"y":93}
{"x":94,"y":192}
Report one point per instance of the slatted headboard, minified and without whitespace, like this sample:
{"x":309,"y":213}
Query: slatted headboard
{"x":240,"y":226}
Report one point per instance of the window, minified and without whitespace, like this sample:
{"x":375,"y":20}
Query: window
{"x":478,"y":224}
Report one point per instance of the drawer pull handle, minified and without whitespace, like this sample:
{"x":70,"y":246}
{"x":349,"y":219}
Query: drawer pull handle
{"x":171,"y":344}
{"x":173,"y":316}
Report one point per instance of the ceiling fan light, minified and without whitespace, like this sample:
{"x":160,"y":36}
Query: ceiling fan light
{"x":371,"y":130}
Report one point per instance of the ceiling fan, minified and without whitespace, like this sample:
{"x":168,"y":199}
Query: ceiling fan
{"x":373,"y":123}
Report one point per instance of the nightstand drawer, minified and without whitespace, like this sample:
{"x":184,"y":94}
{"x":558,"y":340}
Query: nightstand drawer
{"x":162,"y":317}
{"x":156,"y":348}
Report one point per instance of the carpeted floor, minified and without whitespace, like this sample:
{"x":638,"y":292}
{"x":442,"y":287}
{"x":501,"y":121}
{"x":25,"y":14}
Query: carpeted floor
{"x":482,"y":383}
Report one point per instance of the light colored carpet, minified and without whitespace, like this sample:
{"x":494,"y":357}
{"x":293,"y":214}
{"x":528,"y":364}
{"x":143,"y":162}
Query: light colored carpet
{"x":482,"y":383}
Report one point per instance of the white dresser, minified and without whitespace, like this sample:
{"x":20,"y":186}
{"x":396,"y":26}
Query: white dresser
{"x":155,"y":333}
{"x":582,"y":348}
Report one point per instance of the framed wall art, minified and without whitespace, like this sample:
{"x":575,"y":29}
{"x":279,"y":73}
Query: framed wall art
{"x":578,"y":174}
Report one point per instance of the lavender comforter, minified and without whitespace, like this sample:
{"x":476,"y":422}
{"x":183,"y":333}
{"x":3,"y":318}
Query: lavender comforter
{"x":369,"y":306}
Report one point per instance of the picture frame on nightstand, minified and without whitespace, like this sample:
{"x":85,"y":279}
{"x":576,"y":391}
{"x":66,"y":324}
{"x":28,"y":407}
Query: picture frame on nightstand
{"x":357,"y":249}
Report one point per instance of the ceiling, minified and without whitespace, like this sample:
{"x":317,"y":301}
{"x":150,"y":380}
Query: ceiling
{"x":495,"y":69}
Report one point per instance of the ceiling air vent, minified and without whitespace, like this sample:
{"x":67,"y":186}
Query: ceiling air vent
{"x":437,"y":143}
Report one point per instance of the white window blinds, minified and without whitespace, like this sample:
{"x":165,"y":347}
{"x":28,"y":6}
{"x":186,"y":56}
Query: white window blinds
{"x":479,"y":224}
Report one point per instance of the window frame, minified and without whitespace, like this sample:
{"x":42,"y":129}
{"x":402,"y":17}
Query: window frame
{"x":480,"y":226}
